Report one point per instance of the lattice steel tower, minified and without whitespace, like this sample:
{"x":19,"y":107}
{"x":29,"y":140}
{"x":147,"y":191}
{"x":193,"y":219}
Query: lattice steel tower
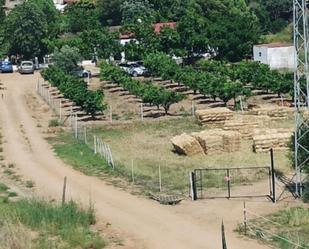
{"x":301,"y":88}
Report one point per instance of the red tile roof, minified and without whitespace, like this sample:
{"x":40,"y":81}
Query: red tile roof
{"x":158,"y":26}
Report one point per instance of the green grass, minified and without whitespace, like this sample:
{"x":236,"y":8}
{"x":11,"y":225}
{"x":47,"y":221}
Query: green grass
{"x":29,"y":184}
{"x":290,"y":224}
{"x":3,"y":187}
{"x":78,"y":155}
{"x":55,"y":226}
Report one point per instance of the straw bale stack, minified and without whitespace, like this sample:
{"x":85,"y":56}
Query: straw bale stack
{"x":231,"y":141}
{"x":211,"y":143}
{"x":207,"y":142}
{"x":276,"y":113}
{"x":245,"y":124}
{"x":273,"y":138}
{"x":214,"y":116}
{"x":187,"y":145}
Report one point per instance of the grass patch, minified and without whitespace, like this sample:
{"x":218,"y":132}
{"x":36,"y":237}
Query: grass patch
{"x":12,"y":194}
{"x":54,"y":123}
{"x":290,"y":225}
{"x":77,"y":154}
{"x":8,"y":172}
{"x":56,"y":226}
{"x":29,"y":184}
{"x":3,"y":187}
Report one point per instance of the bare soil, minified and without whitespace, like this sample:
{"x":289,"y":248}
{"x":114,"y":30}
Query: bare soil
{"x":140,"y":222}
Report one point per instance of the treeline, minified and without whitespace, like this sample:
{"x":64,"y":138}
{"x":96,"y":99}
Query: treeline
{"x":75,"y":89}
{"x":148,"y":92}
{"x":224,"y":29}
{"x":220,"y":80}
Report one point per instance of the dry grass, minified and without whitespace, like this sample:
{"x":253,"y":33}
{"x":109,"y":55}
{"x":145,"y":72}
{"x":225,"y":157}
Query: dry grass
{"x":148,"y":146}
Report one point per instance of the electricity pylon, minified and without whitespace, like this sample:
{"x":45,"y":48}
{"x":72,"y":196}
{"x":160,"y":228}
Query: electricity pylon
{"x":301,"y":88}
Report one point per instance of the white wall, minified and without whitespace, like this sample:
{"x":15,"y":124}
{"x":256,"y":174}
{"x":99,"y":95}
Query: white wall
{"x":281,"y":57}
{"x":275,"y":57}
{"x":260,"y":54}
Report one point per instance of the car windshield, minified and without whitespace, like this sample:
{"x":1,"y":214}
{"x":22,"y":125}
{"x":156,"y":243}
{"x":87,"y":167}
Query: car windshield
{"x":134,"y":65}
{"x":6,"y":63}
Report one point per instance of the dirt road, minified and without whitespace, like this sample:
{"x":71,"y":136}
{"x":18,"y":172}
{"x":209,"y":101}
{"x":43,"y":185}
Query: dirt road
{"x":143,"y":223}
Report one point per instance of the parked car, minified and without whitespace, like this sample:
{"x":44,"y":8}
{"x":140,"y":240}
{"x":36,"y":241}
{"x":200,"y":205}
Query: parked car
{"x":6,"y":67}
{"x":81,"y":73}
{"x":26,"y":67}
{"x":134,"y":68}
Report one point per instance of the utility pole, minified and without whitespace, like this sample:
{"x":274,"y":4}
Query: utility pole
{"x":301,"y":91}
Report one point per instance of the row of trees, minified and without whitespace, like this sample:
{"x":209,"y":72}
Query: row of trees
{"x":223,"y":80}
{"x":75,"y":89}
{"x":255,"y":74}
{"x":207,"y":83}
{"x":148,"y":92}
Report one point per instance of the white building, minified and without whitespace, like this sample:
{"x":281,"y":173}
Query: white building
{"x":276,"y":55}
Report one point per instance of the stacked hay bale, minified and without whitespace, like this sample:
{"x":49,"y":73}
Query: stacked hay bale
{"x":277,"y":113}
{"x":245,"y":124}
{"x":277,"y":139}
{"x":214,"y":116}
{"x":211,"y":143}
{"x":186,"y":145}
{"x":207,"y":142}
{"x":231,"y":141}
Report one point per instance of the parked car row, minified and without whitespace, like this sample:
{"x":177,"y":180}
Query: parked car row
{"x":25,"y":67}
{"x":134,"y":69}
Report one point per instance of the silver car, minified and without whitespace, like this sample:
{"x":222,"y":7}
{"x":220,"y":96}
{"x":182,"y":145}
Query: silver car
{"x":26,"y":67}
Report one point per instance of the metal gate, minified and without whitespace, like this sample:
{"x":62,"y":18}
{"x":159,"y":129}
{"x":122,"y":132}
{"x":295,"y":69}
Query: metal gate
{"x":234,"y":182}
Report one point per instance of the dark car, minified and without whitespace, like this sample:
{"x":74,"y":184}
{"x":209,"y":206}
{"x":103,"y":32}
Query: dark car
{"x":6,"y":67}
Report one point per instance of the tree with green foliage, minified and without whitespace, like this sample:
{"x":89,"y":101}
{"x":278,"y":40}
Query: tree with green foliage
{"x":274,"y":15}
{"x":104,"y":42}
{"x":193,"y":36}
{"x":67,"y":58}
{"x":81,"y":16}
{"x":231,"y":27}
{"x":135,"y":11}
{"x":110,"y":11}
{"x":25,"y":30}
{"x":169,"y":41}
{"x":51,"y":14}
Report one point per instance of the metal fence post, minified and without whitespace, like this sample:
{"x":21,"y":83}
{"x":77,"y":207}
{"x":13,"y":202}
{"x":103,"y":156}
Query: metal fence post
{"x":60,"y":109}
{"x":228,"y":183}
{"x":95,"y":144}
{"x":76,"y":133}
{"x":142,"y":112}
{"x":273,"y":179}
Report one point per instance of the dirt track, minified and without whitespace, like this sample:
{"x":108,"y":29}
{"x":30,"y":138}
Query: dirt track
{"x":143,"y":223}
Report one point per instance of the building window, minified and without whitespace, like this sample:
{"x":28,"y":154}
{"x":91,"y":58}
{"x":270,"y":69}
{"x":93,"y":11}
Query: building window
{"x":260,"y":54}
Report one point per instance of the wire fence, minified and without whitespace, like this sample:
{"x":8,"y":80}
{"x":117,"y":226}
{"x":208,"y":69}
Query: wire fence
{"x":66,"y":112}
{"x":264,"y":228}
